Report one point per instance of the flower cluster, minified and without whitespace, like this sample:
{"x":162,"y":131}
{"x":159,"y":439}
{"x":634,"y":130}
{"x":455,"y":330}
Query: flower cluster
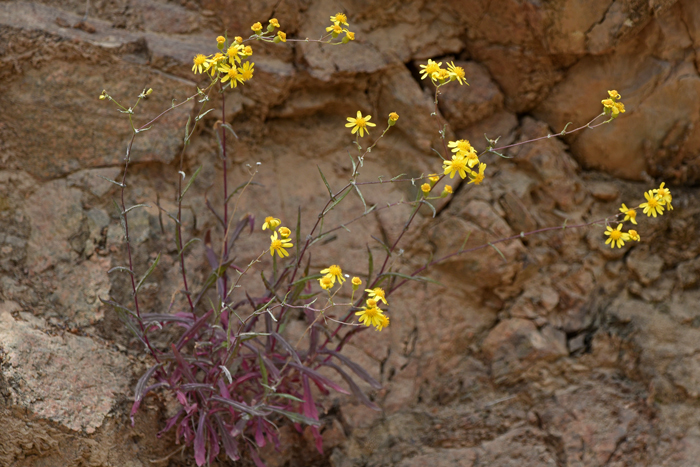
{"x":281,"y":243}
{"x":611,"y":106}
{"x":657,"y":200}
{"x":371,"y":314}
{"x":336,"y":28}
{"x":229,"y":66}
{"x":463,"y":162}
{"x":440,"y":76}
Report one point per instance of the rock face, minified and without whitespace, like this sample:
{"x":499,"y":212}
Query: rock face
{"x":549,"y":349}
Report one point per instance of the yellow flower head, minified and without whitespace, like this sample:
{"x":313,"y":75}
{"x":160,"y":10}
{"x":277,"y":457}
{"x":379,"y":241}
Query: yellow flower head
{"x":360,"y":124}
{"x":456,"y":73}
{"x":377,"y":293}
{"x":446,"y":191}
{"x":220,"y":40}
{"x":233,"y":52}
{"x":282,"y":36}
{"x":664,"y":194}
{"x":340,"y":18}
{"x":458,"y":164}
{"x":630,"y":214}
{"x":334,"y":272}
{"x":335,"y":29}
{"x":199,"y":63}
{"x":613,"y":108}
{"x":239,"y":39}
{"x":326,"y":282}
{"x":430,"y":69}
{"x":383,"y":322}
{"x":371,"y":303}
{"x":616,"y":236}
{"x":393,"y":116}
{"x":356,"y":282}
{"x":441,"y":75}
{"x":614,"y":95}
{"x":461,"y":146}
{"x":634,"y":235}
{"x":212,"y":64}
{"x":246,"y":71}
{"x":279,"y":245}
{"x":285,"y":232}
{"x":257,"y":27}
{"x":230,"y":73}
{"x":652,"y":206}
{"x":425,"y":188}
{"x":274,"y":23}
{"x":477,"y":178}
{"x":271,"y":223}
{"x":434,"y":178}
{"x":369,"y":316}
{"x":350,"y":36}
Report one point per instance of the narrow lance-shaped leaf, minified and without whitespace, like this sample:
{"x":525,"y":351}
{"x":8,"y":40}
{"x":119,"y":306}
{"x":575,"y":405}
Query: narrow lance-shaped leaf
{"x":240,"y":406}
{"x":288,"y":347}
{"x":357,"y":369}
{"x":354,"y":387}
{"x":148,"y":273}
{"x":325,"y":182}
{"x":129,"y":209}
{"x":139,"y":392}
{"x":318,"y":378}
{"x":190,"y":182}
{"x":200,"y":453}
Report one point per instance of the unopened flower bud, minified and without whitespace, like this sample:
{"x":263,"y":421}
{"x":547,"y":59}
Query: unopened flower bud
{"x":446,"y":191}
{"x":356,"y":283}
{"x":220,"y":41}
{"x":393,"y":117}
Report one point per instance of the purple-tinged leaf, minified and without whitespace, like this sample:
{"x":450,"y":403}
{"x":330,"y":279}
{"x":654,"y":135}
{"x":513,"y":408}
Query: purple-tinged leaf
{"x":318,"y":378}
{"x":223,"y":389}
{"x":193,"y":329}
{"x":140,"y":391}
{"x":357,"y":369}
{"x":182,"y":364}
{"x":240,"y":406}
{"x":194,"y":386}
{"x":354,"y":387}
{"x":288,"y":347}
{"x":309,"y":406}
{"x":171,"y":422}
{"x":161,"y":317}
{"x":200,"y":453}
{"x":255,"y":457}
{"x":229,"y":442}
{"x":318,"y":438}
{"x":259,"y":437}
{"x":213,"y":442}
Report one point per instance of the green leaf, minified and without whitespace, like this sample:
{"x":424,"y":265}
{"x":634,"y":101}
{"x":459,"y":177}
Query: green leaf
{"x":287,"y":396}
{"x":306,"y":279}
{"x":112,"y":181}
{"x":136,"y":206}
{"x":354,"y":165}
{"x":148,"y":273}
{"x":263,"y":373}
{"x":240,"y":187}
{"x":397,"y":177}
{"x":201,"y":116}
{"x":498,"y":251}
{"x":230,"y":129}
{"x":121,"y":268}
{"x":295,"y":417}
{"x":388,"y":250}
{"x":465,"y":240}
{"x":187,"y":129}
{"x":189,"y":183}
{"x":335,"y":203}
{"x":325,"y":182}
{"x":412,"y":278}
{"x":193,"y":240}
{"x":431,"y":207}
{"x":359,"y":193}
{"x":370,"y":268}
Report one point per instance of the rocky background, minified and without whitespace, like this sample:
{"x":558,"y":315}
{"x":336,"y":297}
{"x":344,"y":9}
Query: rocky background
{"x":567,"y":354}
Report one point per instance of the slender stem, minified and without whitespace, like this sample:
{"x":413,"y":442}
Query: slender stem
{"x":223,"y":144}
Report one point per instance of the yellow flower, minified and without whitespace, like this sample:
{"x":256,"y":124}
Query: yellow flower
{"x":434,"y":178}
{"x":613,"y":108}
{"x":472,"y":159}
{"x":246,"y":71}
{"x":383,"y":322}
{"x":230,"y":74}
{"x":199,"y":63}
{"x":257,"y":27}
{"x":239,"y":39}
{"x":279,"y":245}
{"x":360,"y":123}
{"x":274,"y":22}
{"x":335,"y":29}
{"x":448,"y":188}
{"x":349,"y":35}
{"x":456,"y":72}
{"x":446,"y":191}
{"x":425,"y":188}
{"x":630,"y":214}
{"x":340,"y":18}
{"x":247,"y":51}
{"x":461,"y":146}
{"x":458,"y":164}
{"x":285,"y":232}
{"x":614,"y":94}
{"x":429,"y":69}
{"x":634,"y":235}
{"x":478,"y":177}
{"x":377,"y":293}
{"x":664,"y":194}
{"x":334,"y":272}
{"x":233,"y":52}
{"x":616,"y":236}
{"x":371,"y":303}
{"x":282,"y":36}
{"x":326,"y":282}
{"x":652,"y":206}
{"x":212,"y":63}
{"x":369,"y":316}
{"x":271,"y":223}
{"x":220,"y":40}
{"x":393,"y":116}
{"x":441,"y":75}
{"x":356,"y":282}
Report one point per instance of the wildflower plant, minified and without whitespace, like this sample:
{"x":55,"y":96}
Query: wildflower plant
{"x":231,"y":367}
